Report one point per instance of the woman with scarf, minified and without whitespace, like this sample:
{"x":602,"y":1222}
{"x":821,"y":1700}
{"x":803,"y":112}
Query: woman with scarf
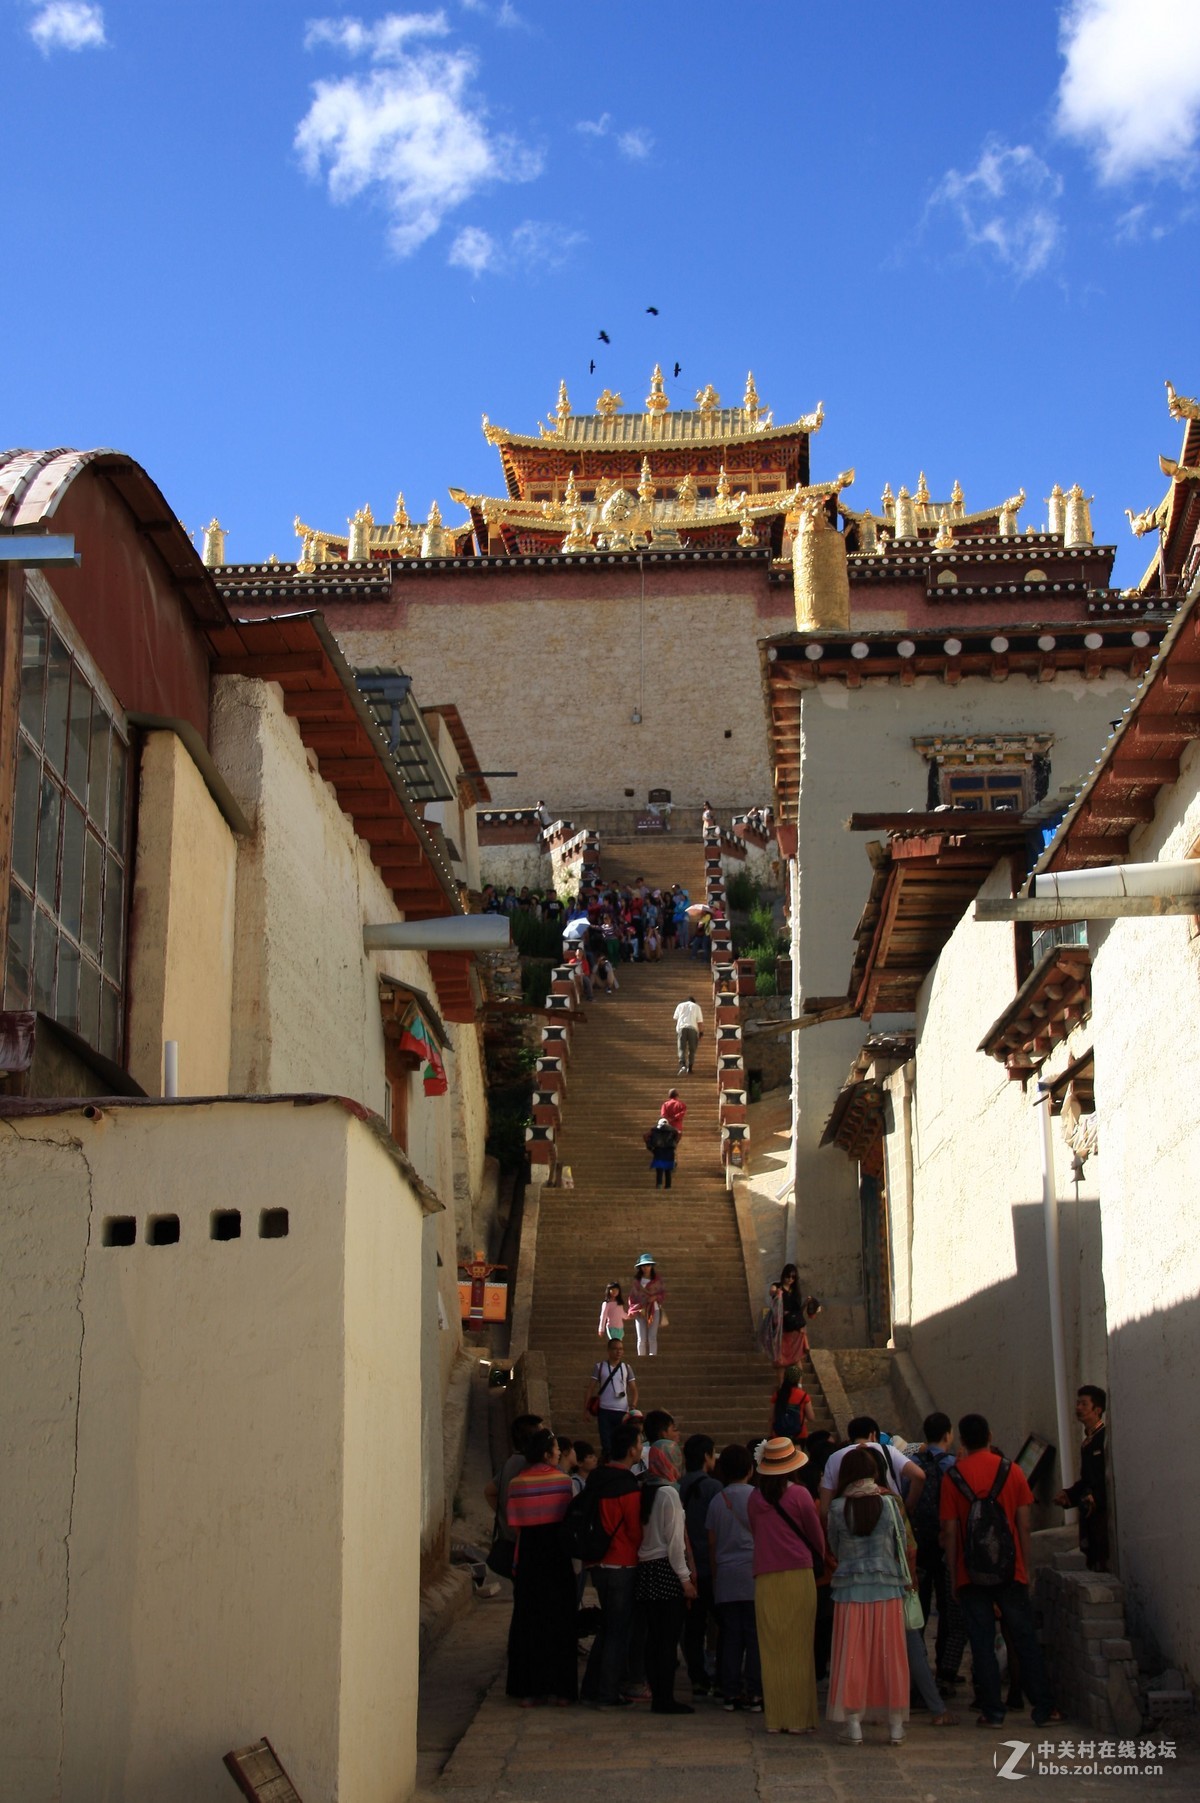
{"x":542,"y":1656}
{"x":869,"y":1667}
{"x":647,"y":1296}
{"x":782,"y":1335}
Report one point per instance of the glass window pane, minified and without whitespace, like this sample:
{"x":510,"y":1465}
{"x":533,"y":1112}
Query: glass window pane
{"x":33,"y":670}
{"x":45,"y":942}
{"x":25,"y":808}
{"x":89,"y":1003}
{"x":93,"y":868}
{"x":80,"y":735}
{"x":98,"y":780}
{"x":70,"y":906}
{"x":110,"y":1023}
{"x":114,"y":920}
{"x":116,"y":794}
{"x":19,"y":974}
{"x":68,"y":985}
{"x":58,"y":686}
{"x":47,"y":857}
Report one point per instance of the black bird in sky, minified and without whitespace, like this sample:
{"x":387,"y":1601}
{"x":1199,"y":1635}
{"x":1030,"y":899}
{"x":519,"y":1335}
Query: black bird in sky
{"x":653,"y":310}
{"x":604,"y":338}
{"x":592,"y":367}
{"x":678,"y":368}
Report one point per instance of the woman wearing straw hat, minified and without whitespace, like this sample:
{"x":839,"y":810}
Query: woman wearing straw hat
{"x":788,"y":1543}
{"x":647,"y":1295}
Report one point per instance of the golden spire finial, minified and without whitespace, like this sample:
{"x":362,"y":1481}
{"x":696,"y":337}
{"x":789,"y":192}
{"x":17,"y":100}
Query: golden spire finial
{"x":646,"y":489}
{"x":888,"y":502}
{"x":686,"y":495}
{"x":945,"y":537}
{"x":570,"y":493}
{"x":609,"y":403}
{"x":723,"y":489}
{"x":750,"y":400}
{"x":707,"y":398}
{"x":272,"y":559}
{"x":957,"y":506}
{"x":562,"y":410}
{"x":747,"y":536}
{"x":400,"y":516}
{"x":922,"y":495}
{"x":656,"y":400}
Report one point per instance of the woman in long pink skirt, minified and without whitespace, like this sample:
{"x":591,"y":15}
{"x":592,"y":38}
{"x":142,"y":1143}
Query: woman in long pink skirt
{"x":869,"y":1667}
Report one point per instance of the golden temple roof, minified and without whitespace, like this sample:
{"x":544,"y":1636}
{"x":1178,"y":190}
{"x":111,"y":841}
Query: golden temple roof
{"x":611,"y":428}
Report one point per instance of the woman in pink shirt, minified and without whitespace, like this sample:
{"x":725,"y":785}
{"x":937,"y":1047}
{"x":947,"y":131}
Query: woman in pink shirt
{"x":787,"y":1533}
{"x":613,"y":1314}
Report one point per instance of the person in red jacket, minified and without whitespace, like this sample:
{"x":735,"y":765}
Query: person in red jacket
{"x":673,"y":1111}
{"x":615,"y":1577}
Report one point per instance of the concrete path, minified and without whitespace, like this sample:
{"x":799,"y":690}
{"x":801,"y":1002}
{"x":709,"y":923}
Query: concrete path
{"x":580,"y":1755}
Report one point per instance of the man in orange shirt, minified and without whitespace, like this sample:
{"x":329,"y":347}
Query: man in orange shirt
{"x":984,"y":1507}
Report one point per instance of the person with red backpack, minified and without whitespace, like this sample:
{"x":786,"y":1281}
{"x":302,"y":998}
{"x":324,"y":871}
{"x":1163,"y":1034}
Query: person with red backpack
{"x":984,"y":1505}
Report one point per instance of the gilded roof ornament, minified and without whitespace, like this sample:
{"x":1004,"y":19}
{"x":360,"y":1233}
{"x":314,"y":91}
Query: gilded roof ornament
{"x":435,"y":540}
{"x":747,"y":536}
{"x":1181,"y":406}
{"x":656,"y":400}
{"x":358,"y":545}
{"x":213,"y":554}
{"x":400,"y":516}
{"x":1056,"y":501}
{"x":888,"y":501}
{"x":609,"y":403}
{"x":906,"y":514}
{"x":1178,"y":472}
{"x":724,"y":491}
{"x":562,"y":410}
{"x":570,"y":493}
{"x":945,"y":537}
{"x":646,"y":488}
{"x":957,"y":501}
{"x":1078,"y":529}
{"x":1146,"y":521}
{"x":272,"y":560}
{"x":808,"y":422}
{"x":750,"y":401}
{"x":707,"y":398}
{"x":922,"y":495}
{"x":687,"y":494}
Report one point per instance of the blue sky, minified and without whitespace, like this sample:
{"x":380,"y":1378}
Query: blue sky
{"x":287,"y":256}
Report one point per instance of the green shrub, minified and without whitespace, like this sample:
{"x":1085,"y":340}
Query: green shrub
{"x":764,"y":982}
{"x":506,"y":1137}
{"x":536,"y":938}
{"x":535,"y":981}
{"x":742,"y":891}
{"x":762,"y":924}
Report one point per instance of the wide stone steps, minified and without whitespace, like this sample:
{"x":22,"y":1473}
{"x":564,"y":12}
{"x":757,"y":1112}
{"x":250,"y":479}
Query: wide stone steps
{"x":708,"y":1372}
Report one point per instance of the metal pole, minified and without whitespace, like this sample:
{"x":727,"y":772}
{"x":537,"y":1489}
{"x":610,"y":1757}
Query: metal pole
{"x":171,"y":1068}
{"x":1058,"y":1347}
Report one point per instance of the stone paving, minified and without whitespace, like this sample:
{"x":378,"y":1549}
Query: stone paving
{"x":508,"y":1754}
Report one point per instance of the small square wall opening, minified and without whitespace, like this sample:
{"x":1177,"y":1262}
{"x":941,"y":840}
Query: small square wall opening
{"x":227,"y":1224}
{"x":273,"y":1224}
{"x":729,"y":732}
{"x":120,"y":1230}
{"x":162,"y":1230}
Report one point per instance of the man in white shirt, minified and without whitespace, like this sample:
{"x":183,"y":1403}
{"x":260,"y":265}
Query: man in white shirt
{"x":905,"y":1476}
{"x":689,"y":1024}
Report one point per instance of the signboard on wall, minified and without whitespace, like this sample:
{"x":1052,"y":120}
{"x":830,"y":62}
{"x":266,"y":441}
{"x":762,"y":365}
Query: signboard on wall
{"x":658,"y":795}
{"x":651,"y":823}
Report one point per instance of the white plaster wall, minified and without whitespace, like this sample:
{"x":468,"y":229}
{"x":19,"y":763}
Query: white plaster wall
{"x":182,"y":924}
{"x":857,"y":755}
{"x":979,"y":1310}
{"x":244,"y":1408}
{"x":1146,"y":989}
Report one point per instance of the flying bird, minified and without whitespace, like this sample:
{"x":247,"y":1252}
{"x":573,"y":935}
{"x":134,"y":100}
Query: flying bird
{"x":604,"y":338}
{"x":678,"y":368}
{"x":592,"y":367}
{"x":653,"y":310}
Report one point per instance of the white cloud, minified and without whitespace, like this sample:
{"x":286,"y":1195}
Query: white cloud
{"x":535,"y":243}
{"x":1006,"y":206}
{"x":473,"y":249}
{"x":635,"y":144}
{"x":595,"y":128}
{"x":505,"y":14}
{"x":68,"y":25}
{"x":1131,"y":87}
{"x":409,"y":129}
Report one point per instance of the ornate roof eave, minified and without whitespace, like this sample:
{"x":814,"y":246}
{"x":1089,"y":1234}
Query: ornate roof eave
{"x":618,"y":432}
{"x":552,"y":516}
{"x":886,"y":520}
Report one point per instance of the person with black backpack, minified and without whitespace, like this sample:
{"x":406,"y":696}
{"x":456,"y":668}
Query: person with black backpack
{"x":791,"y":1407}
{"x":933,"y":1577}
{"x":984,"y":1506}
{"x":603,"y":1527}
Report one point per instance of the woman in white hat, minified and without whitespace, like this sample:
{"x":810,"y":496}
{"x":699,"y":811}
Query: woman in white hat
{"x":789,"y":1546}
{"x":647,"y":1295}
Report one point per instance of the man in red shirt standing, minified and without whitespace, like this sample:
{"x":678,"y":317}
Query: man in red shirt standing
{"x":984,"y":1507}
{"x":673,"y":1110}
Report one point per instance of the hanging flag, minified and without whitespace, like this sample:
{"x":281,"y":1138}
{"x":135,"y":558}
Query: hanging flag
{"x":417,"y":1039}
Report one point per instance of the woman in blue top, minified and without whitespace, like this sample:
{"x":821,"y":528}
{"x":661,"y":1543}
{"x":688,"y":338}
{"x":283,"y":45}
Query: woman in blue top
{"x":869,"y":1668}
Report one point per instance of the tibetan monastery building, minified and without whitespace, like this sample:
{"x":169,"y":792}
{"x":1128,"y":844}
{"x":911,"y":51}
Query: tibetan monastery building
{"x":598,"y":621}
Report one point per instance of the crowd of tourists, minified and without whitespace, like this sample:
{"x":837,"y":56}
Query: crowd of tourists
{"x":781,"y":1575}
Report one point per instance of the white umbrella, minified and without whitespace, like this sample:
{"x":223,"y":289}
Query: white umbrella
{"x":575,"y":931}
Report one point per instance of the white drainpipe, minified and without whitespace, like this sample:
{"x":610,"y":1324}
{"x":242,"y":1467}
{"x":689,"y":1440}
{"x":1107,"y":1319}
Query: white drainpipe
{"x":1109,"y":882}
{"x":455,"y":933}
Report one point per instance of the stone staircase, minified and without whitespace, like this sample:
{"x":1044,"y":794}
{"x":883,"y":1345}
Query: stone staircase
{"x":708,"y":1372}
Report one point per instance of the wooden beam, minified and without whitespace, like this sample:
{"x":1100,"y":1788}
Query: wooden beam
{"x":317,"y":704}
{"x":334,"y":737}
{"x":1145,"y":770}
{"x":1119,"y":807}
{"x":1164,"y":726}
{"x":1180,"y":676}
{"x":1048,"y":912}
{"x":271,"y":666}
